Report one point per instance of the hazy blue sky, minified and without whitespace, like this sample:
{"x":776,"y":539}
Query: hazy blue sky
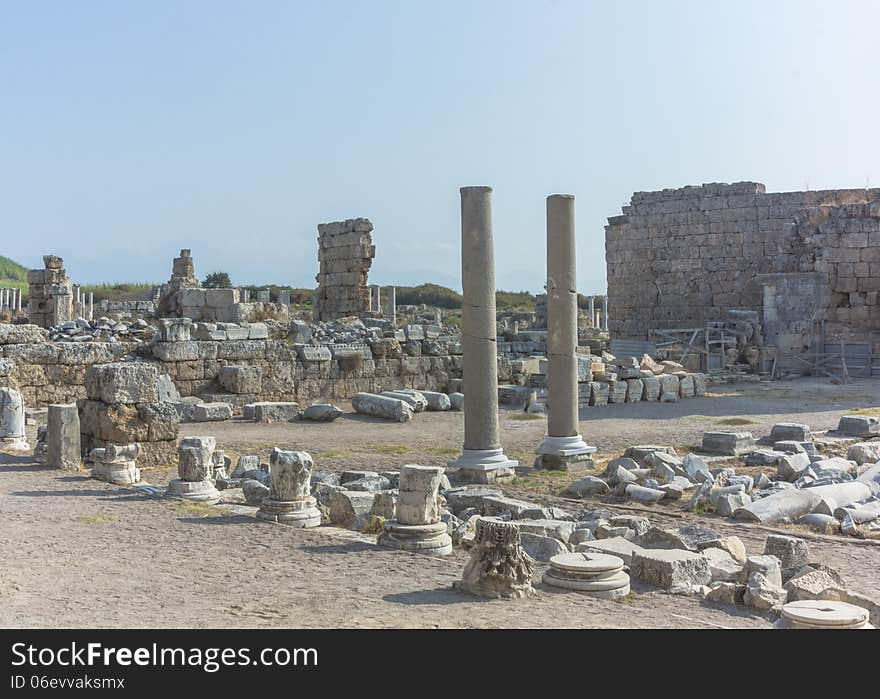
{"x":131,"y":129}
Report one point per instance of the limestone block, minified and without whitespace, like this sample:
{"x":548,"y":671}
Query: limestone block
{"x":652,"y":388}
{"x":211,"y":412}
{"x":864,"y":453}
{"x":728,"y":443}
{"x":241,"y":379}
{"x":123,"y":382}
{"x":599,"y":393}
{"x":63,"y":438}
{"x":791,"y":551}
{"x":350,"y":508}
{"x":790,"y":431}
{"x":670,"y":569}
{"x":686,"y":387}
{"x":859,"y":425}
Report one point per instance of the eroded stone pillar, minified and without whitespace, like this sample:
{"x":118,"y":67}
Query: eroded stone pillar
{"x":289,"y":501}
{"x":605,"y":314}
{"x":12,"y":435}
{"x":483,"y":459}
{"x":63,"y":438}
{"x":195,"y":466}
{"x":563,"y":440}
{"x":417,"y":526}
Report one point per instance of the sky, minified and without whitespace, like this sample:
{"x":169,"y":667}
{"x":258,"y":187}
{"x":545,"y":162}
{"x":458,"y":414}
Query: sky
{"x":130,"y":130}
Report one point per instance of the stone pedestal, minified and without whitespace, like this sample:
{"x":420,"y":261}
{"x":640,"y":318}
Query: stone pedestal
{"x":563,"y":444}
{"x":195,"y":468}
{"x":289,"y":501}
{"x":63,"y":438}
{"x":12,"y":436}
{"x":482,"y":447}
{"x":417,"y":526}
{"x":498,"y":566}
{"x":598,"y":574}
{"x":116,"y":464}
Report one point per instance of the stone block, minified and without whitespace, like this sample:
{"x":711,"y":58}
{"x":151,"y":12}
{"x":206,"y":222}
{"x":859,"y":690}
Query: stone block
{"x":728,"y":443}
{"x":212,"y":412}
{"x":123,"y":382}
{"x":241,"y":379}
{"x":673,"y":570}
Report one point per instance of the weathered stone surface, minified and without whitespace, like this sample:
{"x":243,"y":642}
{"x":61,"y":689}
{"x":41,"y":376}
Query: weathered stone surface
{"x":456,"y":401}
{"x":267,"y":412}
{"x":350,"y":508}
{"x":793,"y":431}
{"x":123,"y":382}
{"x":588,"y":486}
{"x":498,"y":566}
{"x":859,"y":425}
{"x":211,"y":412}
{"x":794,"y":503}
{"x":764,"y":594}
{"x":791,"y":466}
{"x":673,"y":570}
{"x":63,"y":438}
{"x":642,"y":494}
{"x":195,"y":461}
{"x":254,"y":491}
{"x":321,"y":412}
{"x":864,"y":452}
{"x":241,"y":379}
{"x":382,"y":406}
{"x":561,"y":530}
{"x":291,"y":473}
{"x":728,"y":443}
{"x":12,"y":416}
{"x":616,"y":546}
{"x":791,"y":551}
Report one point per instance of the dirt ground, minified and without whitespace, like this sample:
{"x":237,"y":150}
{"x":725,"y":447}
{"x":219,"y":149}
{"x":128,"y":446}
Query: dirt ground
{"x":76,"y":552}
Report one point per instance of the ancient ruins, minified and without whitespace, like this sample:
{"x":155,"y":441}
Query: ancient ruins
{"x":571,"y":451}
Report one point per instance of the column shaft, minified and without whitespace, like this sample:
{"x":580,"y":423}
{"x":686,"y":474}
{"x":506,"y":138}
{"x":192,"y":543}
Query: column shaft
{"x":562,"y":337}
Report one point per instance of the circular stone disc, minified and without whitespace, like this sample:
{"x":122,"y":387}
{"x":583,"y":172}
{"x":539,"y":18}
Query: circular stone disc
{"x":586,"y":563}
{"x":604,"y":585}
{"x":826,"y":613}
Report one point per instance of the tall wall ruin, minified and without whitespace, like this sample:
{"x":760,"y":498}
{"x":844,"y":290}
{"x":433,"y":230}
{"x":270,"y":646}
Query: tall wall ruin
{"x":345,"y":253}
{"x":50,"y":298}
{"x":678,"y":258}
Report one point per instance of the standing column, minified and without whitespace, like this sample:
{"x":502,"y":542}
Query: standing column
{"x":91,"y":305}
{"x":63,"y":437}
{"x":593,"y":311}
{"x":378,"y":299}
{"x":483,"y":459}
{"x":18,"y":301}
{"x":562,"y":438}
{"x":605,"y":313}
{"x":391,"y":305}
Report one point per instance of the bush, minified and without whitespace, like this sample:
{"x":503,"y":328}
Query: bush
{"x":217,"y":280}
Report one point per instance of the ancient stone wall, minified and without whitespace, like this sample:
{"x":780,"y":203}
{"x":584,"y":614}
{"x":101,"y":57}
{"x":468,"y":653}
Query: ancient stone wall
{"x":345,"y":253}
{"x":680,"y":257}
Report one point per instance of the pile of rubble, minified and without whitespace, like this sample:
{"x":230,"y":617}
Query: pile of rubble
{"x":400,"y":405}
{"x":824,"y":492}
{"x":103,"y":330}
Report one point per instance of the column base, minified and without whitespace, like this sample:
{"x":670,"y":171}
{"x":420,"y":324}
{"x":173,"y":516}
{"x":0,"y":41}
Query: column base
{"x":14,"y":444}
{"x":118,"y":474}
{"x":417,"y":538}
{"x":565,"y":446}
{"x":300,"y":514}
{"x":483,"y":466}
{"x":194,"y":491}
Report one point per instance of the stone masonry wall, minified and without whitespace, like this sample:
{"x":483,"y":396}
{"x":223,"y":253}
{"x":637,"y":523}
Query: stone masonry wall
{"x":345,"y":253}
{"x":680,"y":257}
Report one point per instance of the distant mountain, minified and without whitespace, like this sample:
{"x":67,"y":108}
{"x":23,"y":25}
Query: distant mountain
{"x":12,"y":270}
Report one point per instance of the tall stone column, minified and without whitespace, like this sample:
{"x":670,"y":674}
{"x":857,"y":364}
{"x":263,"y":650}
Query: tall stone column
{"x":391,"y":304}
{"x":483,"y":459}
{"x":563,"y":440}
{"x":605,"y":314}
{"x":593,"y":311}
{"x":12,"y":434}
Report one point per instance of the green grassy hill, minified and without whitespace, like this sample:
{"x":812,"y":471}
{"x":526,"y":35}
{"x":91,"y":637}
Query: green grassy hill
{"x":12,"y":270}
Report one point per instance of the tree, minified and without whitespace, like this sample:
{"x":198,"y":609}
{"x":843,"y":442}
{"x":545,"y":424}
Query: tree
{"x":217,"y":280}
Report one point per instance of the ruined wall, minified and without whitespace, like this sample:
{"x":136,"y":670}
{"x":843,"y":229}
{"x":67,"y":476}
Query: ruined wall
{"x":680,"y":257}
{"x":50,"y":300}
{"x":345,"y":253}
